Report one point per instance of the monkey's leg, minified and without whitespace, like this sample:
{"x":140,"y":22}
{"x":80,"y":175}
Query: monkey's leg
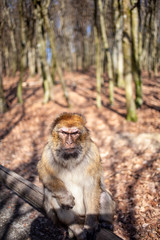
{"x":49,"y":204}
{"x":76,"y":230}
{"x":74,"y":223}
{"x":63,"y":216}
{"x":107,"y":209}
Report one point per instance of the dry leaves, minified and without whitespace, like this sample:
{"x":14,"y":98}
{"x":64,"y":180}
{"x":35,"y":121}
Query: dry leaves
{"x":130,"y":151}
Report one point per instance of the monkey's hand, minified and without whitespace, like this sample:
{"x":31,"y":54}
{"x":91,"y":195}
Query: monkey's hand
{"x":66,"y":201}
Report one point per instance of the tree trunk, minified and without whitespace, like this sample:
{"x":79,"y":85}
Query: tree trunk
{"x":3,"y":105}
{"x":145,"y":40}
{"x":49,"y":30}
{"x":42,"y":46}
{"x":155,"y":34}
{"x":6,"y":59}
{"x":19,"y":87}
{"x":136,"y":45}
{"x":98,"y":67}
{"x":32,"y":60}
{"x":22,"y":52}
{"x":13,"y":52}
{"x":107,"y":53}
{"x":118,"y":58}
{"x":98,"y":57}
{"x":127,"y":47}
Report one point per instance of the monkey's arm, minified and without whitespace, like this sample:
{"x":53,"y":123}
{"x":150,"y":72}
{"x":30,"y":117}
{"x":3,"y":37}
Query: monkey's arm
{"x":92,"y":190}
{"x":92,"y":197}
{"x":56,"y":186}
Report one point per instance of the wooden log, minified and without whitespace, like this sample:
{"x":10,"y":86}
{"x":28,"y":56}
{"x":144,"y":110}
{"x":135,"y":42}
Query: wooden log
{"x":105,"y":234}
{"x":23,"y":188}
{"x":33,"y":195}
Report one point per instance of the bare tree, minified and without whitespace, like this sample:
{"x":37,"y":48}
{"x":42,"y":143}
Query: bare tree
{"x":127,"y":54}
{"x":107,"y":52}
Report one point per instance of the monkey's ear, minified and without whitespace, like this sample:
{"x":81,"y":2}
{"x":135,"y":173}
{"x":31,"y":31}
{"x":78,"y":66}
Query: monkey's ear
{"x":67,"y":116}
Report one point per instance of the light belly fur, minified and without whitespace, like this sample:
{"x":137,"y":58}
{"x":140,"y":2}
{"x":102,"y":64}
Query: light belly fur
{"x":74,"y":184}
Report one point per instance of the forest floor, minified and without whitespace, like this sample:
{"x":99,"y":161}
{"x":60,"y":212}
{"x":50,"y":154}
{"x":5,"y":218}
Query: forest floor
{"x":130,"y":153}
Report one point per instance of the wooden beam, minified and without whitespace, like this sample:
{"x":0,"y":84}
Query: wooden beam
{"x":33,"y":195}
{"x":23,"y":188}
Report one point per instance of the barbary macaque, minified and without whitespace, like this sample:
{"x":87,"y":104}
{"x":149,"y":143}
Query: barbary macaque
{"x":71,"y":172}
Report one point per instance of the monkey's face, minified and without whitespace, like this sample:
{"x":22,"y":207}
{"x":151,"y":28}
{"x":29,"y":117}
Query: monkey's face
{"x":69,"y":142}
{"x":69,"y":137}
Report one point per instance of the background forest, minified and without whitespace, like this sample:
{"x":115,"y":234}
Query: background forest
{"x":100,"y":58}
{"x":119,"y":38}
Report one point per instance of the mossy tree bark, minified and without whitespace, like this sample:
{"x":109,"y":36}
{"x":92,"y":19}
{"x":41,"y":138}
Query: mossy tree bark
{"x":22,"y":53}
{"x":154,"y":36}
{"x":65,"y":35}
{"x":55,"y":63}
{"x":127,"y":48}
{"x":32,"y":60}
{"x":98,"y":67}
{"x":118,"y":53}
{"x":13,"y":50}
{"x":107,"y":52}
{"x":42,"y":46}
{"x":3,"y":105}
{"x":98,"y":57}
{"x":150,"y":37}
{"x":136,"y":46}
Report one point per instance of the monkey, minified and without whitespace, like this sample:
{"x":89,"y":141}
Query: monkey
{"x":71,"y":172}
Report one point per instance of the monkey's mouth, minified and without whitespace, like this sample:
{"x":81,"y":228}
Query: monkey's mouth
{"x":69,"y":153}
{"x":69,"y":150}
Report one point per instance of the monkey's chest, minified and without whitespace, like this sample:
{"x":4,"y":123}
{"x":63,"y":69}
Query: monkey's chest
{"x":76,"y":188}
{"x":77,"y":192}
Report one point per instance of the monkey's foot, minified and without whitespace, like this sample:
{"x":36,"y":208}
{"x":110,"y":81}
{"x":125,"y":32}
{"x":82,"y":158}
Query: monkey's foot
{"x":71,"y":235}
{"x":81,"y":236}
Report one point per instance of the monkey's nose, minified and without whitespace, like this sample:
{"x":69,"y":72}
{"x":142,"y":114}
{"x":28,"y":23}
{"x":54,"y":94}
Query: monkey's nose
{"x":69,"y":140}
{"x":70,"y":146}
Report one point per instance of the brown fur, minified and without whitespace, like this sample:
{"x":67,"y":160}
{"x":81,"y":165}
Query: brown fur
{"x":73,"y":181}
{"x":69,"y":120}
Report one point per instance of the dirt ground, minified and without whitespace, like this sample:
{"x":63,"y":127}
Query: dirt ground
{"x":130,"y":153}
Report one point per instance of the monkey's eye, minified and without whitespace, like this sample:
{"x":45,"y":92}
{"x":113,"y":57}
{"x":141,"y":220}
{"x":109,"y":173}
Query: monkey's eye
{"x":63,"y":132}
{"x":75,"y":133}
